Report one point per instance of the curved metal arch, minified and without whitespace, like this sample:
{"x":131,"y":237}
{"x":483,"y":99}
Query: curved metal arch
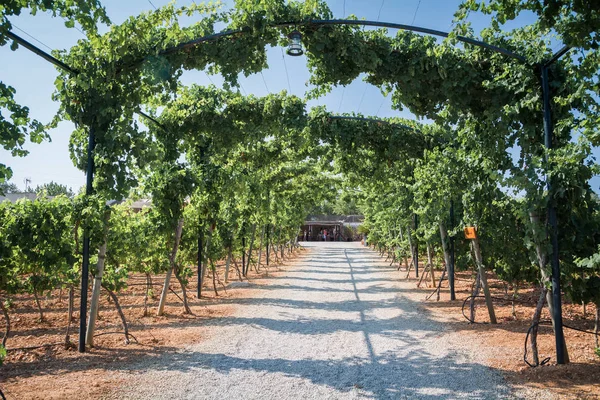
{"x":438,"y":141}
{"x":365,"y":119}
{"x":547,"y":131}
{"x":321,"y":22}
{"x":39,"y":52}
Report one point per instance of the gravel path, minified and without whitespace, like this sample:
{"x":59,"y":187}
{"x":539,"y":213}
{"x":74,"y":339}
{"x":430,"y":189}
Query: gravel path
{"x":337,"y":324}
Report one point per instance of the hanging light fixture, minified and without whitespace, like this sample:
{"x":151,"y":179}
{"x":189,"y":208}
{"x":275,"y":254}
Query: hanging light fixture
{"x":295,"y":45}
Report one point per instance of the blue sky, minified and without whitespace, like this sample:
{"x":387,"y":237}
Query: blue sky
{"x":33,"y":78}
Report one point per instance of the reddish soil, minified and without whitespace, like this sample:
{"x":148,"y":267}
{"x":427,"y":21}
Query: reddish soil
{"x":58,"y":371}
{"x":502,"y":344}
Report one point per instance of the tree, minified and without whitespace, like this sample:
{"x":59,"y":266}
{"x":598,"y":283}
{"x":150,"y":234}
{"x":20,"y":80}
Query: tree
{"x":253,"y":161}
{"x":8,"y":187}
{"x":588,"y":285}
{"x":17,"y":126}
{"x":54,"y":189}
{"x":576,"y":22}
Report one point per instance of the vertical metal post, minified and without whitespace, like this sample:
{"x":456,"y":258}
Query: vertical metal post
{"x":85,"y":264}
{"x":200,"y":234}
{"x":451,"y":266}
{"x":268,"y":225}
{"x":268,"y":238}
{"x":552,"y":225}
{"x":200,"y":255}
{"x":244,"y":272}
{"x":416,"y":246}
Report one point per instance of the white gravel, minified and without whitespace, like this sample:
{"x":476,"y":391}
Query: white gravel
{"x":338,"y":324}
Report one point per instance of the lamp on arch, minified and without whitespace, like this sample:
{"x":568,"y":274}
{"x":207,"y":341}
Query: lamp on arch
{"x":295,"y":45}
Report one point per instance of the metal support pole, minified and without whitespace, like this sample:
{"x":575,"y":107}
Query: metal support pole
{"x":200,"y":255}
{"x":244,"y":272}
{"x":352,"y":22}
{"x":200,"y":232}
{"x":268,"y":238}
{"x":553,"y":228}
{"x":85,"y":264}
{"x":416,"y":246}
{"x":451,"y":266}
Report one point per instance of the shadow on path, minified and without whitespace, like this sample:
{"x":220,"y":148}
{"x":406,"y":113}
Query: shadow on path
{"x":382,"y":345}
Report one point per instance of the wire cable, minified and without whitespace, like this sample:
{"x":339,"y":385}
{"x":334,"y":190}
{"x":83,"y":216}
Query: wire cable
{"x":209,"y":78}
{"x":265,"y":82}
{"x":7,"y":395}
{"x":493,"y":298}
{"x":286,"y":71}
{"x":415,"y":16}
{"x":152,"y":4}
{"x":534,"y":325}
{"x":362,"y":98}
{"x":545,"y":360}
{"x":342,"y":99}
{"x":243,"y":90}
{"x":379,"y":109}
{"x":380,"y":8}
{"x":33,"y":37}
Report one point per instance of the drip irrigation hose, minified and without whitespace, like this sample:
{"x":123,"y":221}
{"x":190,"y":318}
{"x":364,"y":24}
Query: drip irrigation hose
{"x":117,"y":333}
{"x":545,"y":360}
{"x":436,"y":289}
{"x":62,"y":343}
{"x":35,"y":347}
{"x":548,"y":323}
{"x":175,"y":293}
{"x":492,"y":297}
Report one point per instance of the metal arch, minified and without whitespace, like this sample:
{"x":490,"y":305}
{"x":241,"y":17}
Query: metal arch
{"x":364,"y":119}
{"x":451,"y":265}
{"x":227,"y":33}
{"x":557,"y":55}
{"x":53,"y":60}
{"x":322,"y":22}
{"x":36,"y":50}
{"x":547,"y":120}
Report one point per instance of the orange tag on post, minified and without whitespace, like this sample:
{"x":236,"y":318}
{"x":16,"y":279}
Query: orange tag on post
{"x":470,"y":232}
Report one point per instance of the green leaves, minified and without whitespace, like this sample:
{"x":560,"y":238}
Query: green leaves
{"x":86,"y":12}
{"x":170,"y":186}
{"x":576,"y":22}
{"x":39,"y":245}
{"x":16,"y":128}
{"x":2,"y":354}
{"x":240,"y":160}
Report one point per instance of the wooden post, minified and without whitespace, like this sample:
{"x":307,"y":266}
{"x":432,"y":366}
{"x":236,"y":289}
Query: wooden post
{"x":483,"y":278}
{"x":89,"y":337}
{"x":165,"y":291}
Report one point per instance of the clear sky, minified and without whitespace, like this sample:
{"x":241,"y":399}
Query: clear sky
{"x":33,"y":78}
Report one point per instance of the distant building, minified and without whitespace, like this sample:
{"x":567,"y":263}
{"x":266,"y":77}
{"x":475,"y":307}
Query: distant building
{"x":338,"y":227}
{"x":139,"y":205}
{"x":13,"y":197}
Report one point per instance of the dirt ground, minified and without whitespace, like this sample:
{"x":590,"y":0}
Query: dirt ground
{"x":503,"y":344}
{"x":59,"y":371}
